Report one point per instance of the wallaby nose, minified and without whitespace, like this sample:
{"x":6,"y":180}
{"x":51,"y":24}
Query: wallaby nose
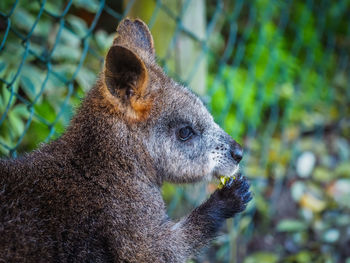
{"x":236,"y":152}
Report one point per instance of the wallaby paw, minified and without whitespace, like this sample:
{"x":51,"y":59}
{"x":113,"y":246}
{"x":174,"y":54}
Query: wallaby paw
{"x":234,"y":196}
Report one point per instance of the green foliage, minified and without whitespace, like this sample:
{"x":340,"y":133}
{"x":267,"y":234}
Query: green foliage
{"x":262,"y":257}
{"x":288,"y":225}
{"x":44,"y":77}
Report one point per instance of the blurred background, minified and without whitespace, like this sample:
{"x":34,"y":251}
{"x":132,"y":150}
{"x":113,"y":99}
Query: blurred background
{"x":275,"y":74}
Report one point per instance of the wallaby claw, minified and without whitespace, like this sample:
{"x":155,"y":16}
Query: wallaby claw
{"x":235,"y":195}
{"x":230,"y":182}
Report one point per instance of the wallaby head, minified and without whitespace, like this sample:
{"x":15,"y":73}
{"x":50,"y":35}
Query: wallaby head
{"x":172,"y":124}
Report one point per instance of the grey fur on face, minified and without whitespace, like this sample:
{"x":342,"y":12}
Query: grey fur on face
{"x":206,"y":154}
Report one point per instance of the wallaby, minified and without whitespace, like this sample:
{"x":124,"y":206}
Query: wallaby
{"x":93,"y":195}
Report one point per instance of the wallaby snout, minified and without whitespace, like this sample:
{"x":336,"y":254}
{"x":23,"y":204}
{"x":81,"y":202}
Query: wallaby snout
{"x":236,"y":151}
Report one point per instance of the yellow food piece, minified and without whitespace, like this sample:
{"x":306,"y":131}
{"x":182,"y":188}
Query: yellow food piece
{"x":224,"y":180}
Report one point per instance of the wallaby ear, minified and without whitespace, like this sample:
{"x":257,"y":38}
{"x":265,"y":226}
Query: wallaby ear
{"x":126,"y":78}
{"x":135,"y":35}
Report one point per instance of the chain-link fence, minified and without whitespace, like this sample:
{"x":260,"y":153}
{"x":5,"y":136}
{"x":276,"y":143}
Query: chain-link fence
{"x":275,"y":74}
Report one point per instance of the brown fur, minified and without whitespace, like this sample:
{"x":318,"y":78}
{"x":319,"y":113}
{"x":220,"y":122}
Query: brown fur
{"x":94,"y":195}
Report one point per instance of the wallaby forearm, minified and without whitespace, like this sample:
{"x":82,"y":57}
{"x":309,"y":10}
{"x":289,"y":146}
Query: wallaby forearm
{"x":204,"y":222}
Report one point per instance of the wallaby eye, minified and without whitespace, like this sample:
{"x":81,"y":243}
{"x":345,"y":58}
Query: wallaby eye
{"x":185,"y":133}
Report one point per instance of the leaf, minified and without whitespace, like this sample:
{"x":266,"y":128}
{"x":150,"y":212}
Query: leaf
{"x":322,"y":175}
{"x":168,"y":191}
{"x":297,"y":190}
{"x":331,"y":235}
{"x":301,"y":257}
{"x":244,"y":223}
{"x":66,"y":53}
{"x":28,"y":86}
{"x":23,"y":19}
{"x":86,"y":78}
{"x":15,"y":117}
{"x":31,"y":80}
{"x":79,"y":25}
{"x":2,"y":65}
{"x":103,"y":40}
{"x":65,"y":70}
{"x":312,"y":203}
{"x":17,"y":125}
{"x":4,"y":98}
{"x":340,"y":191}
{"x":291,"y":225}
{"x":262,"y":257}
{"x":305,"y":164}
{"x":343,"y":170}
{"x":45,"y":110}
{"x":68,"y":38}
{"x":21,"y":111}
{"x":90,"y":5}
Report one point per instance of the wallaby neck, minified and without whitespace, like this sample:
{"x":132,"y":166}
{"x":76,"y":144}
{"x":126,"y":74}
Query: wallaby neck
{"x":100,"y":145}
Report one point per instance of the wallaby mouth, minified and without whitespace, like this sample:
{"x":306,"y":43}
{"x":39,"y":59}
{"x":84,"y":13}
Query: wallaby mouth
{"x":233,"y":173}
